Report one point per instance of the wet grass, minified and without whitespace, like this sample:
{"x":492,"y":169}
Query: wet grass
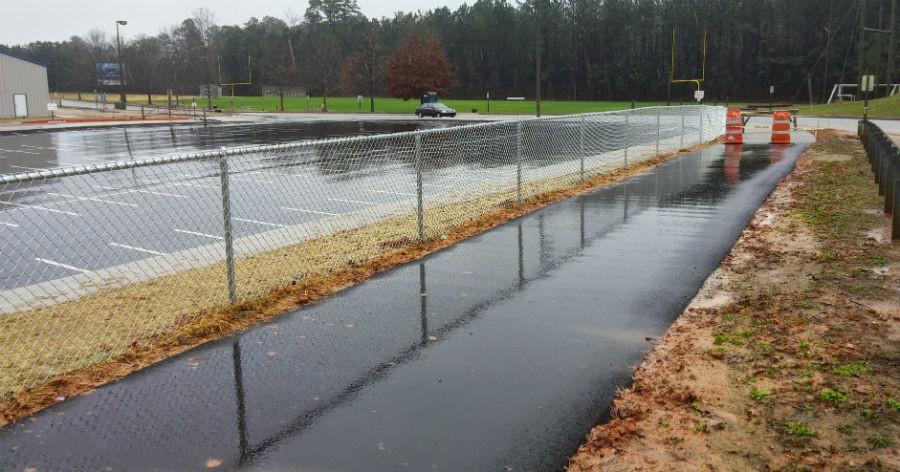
{"x":878,"y":108}
{"x":408,"y":107}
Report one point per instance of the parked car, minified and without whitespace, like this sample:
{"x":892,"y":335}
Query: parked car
{"x":436,"y":110}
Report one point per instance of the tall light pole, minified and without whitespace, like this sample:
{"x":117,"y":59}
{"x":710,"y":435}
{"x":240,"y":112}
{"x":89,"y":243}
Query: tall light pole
{"x":862,"y":50}
{"x":121,"y":70}
{"x":537,"y":60}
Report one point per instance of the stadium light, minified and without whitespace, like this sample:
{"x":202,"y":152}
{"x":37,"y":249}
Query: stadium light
{"x":121,"y":70}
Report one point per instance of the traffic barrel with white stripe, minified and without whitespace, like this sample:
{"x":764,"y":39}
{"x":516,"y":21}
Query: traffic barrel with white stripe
{"x":734,"y":126}
{"x":781,"y":127}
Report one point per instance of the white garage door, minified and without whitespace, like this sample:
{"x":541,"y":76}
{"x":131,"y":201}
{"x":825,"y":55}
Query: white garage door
{"x":21,"y":104}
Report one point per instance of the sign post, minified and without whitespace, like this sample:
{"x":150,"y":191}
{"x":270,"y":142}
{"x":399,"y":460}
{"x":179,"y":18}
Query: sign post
{"x":867,"y":84}
{"x":52,"y":107}
{"x":771,"y":97}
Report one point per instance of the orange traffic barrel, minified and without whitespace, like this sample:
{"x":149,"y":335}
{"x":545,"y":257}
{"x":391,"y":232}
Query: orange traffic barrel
{"x":781,"y":127}
{"x":734,"y":126}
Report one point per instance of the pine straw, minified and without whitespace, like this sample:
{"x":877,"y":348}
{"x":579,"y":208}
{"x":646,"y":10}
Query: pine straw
{"x":184,"y":310}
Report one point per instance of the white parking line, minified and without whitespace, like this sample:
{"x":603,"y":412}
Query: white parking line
{"x":286,"y":174}
{"x":47,"y":148}
{"x":127,"y":190}
{"x":92,"y":199}
{"x":38,"y":207}
{"x":139,"y":249}
{"x":19,"y":150}
{"x":360,"y":202}
{"x":264,"y":223}
{"x":248,"y":179}
{"x":199,"y":234}
{"x":11,"y":225}
{"x":393,"y":193}
{"x":57,"y":264}
{"x":179,"y":184}
{"x":310,"y":211}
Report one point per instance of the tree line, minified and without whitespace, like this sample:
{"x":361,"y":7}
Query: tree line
{"x":587,"y":50}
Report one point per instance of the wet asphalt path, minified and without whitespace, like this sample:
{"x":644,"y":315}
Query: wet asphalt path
{"x":500,"y":352}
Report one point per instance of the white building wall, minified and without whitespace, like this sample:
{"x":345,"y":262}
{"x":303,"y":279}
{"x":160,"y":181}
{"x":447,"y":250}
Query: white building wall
{"x":21,"y":76}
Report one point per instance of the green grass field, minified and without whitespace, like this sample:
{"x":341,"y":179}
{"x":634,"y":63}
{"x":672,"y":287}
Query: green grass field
{"x":395,"y":105}
{"x":878,"y":108}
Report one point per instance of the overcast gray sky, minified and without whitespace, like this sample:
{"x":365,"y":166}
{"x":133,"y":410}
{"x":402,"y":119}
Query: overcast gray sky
{"x":55,"y":20}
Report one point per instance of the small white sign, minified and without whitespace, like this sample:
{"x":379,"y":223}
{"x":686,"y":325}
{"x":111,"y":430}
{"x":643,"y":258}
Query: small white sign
{"x":489,"y":95}
{"x":51,"y":106}
{"x":771,"y":89}
{"x":194,"y":104}
{"x":359,"y":99}
{"x":698,"y":95}
{"x":868,"y":83}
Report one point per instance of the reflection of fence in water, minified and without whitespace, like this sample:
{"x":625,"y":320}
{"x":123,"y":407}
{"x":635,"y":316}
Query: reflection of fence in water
{"x":123,"y":252}
{"x":254,"y":418}
{"x":669,"y":183}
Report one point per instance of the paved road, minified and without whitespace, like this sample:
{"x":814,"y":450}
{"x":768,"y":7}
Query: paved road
{"x":28,"y":151}
{"x":497,"y":353}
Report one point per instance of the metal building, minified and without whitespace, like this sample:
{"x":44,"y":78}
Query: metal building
{"x":23,"y":87}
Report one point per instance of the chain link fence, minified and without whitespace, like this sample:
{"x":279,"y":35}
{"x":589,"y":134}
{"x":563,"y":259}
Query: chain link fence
{"x":95,"y":259}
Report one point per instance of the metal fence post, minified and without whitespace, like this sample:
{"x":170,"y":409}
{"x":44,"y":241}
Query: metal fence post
{"x":681,"y":146}
{"x":893,"y":173}
{"x":701,"y":125}
{"x":421,"y":206}
{"x":519,"y":161}
{"x":658,"y":112}
{"x":226,"y":217}
{"x":627,"y":140}
{"x":581,"y":144}
{"x":895,"y":214}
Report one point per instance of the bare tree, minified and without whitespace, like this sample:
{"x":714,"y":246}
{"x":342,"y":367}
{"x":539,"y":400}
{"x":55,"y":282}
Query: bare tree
{"x":204,"y":20}
{"x":362,"y":69}
{"x":277,"y":61}
{"x":324,"y":59}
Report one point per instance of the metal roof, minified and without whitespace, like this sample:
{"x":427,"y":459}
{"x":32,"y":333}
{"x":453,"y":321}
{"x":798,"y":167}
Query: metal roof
{"x":7,"y":53}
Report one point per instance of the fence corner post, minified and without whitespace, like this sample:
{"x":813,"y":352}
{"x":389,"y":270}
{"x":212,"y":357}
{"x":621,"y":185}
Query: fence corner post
{"x":627,"y":141}
{"x":226,"y":218}
{"x":658,"y":130}
{"x":581,"y":150}
{"x":518,"y":161}
{"x":701,"y":125}
{"x":420,"y":204}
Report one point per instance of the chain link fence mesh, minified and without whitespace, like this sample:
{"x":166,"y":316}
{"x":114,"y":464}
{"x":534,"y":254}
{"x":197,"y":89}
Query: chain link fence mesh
{"x":95,"y":259}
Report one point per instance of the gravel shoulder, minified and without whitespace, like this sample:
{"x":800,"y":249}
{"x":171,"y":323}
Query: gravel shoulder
{"x":789,"y":356}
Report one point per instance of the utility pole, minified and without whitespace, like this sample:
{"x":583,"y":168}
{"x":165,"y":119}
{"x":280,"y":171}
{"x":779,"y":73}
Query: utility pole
{"x":862,"y":30}
{"x":121,"y":70}
{"x":827,"y":57}
{"x":537,"y":59}
{"x":890,"y":62}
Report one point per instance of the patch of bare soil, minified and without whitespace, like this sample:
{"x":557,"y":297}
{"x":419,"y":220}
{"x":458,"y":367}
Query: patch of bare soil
{"x":788,"y":357}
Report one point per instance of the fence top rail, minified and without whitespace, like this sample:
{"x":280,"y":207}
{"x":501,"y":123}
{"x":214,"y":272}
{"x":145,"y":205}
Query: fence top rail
{"x":31,"y":176}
